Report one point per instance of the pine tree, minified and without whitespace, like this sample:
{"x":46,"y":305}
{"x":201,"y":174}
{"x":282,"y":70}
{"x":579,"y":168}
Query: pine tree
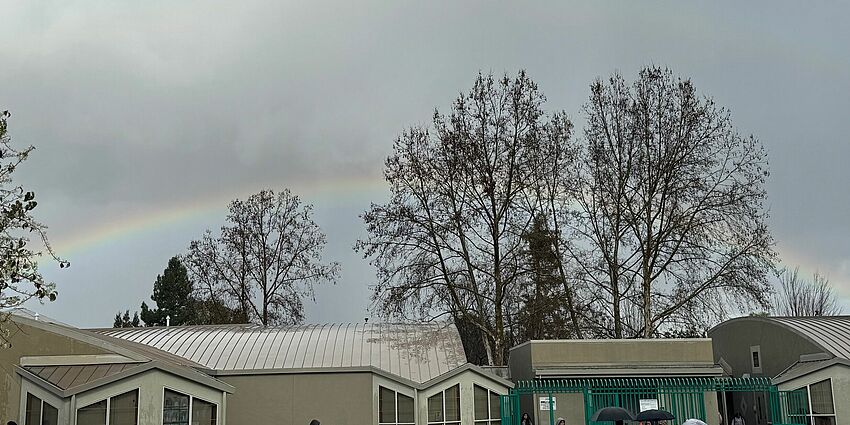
{"x":124,"y":321}
{"x":172,"y":293}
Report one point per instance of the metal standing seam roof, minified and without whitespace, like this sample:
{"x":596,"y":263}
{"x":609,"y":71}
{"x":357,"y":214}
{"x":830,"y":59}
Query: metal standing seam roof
{"x":70,"y":376}
{"x":830,"y":332}
{"x":416,"y":352}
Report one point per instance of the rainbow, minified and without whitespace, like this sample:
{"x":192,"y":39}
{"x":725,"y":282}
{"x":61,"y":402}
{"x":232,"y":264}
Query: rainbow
{"x":839,"y":278}
{"x":137,"y":224}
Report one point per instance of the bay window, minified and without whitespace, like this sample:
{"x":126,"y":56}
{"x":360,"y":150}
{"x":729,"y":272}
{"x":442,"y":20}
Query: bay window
{"x":40,"y":412}
{"x":394,"y":408}
{"x":486,"y":407}
{"x":821,"y":407}
{"x":183,"y":409}
{"x":122,"y":409}
{"x":444,"y":407}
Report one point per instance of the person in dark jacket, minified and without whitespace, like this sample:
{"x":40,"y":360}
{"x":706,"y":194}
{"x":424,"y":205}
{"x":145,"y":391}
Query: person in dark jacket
{"x":526,"y":420}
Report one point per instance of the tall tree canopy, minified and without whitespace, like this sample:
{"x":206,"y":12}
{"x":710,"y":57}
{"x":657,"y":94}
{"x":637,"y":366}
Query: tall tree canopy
{"x":20,"y":279}
{"x":172,"y":293}
{"x":450,"y":240}
{"x":671,"y":222}
{"x":264,"y":261}
{"x":653,"y":221}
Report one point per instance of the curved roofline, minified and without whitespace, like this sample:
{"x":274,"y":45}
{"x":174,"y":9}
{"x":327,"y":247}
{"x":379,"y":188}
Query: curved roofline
{"x":771,"y":320}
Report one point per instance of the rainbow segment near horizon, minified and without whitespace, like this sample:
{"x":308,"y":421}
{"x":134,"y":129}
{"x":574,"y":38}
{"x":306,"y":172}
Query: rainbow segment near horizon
{"x":137,"y":224}
{"x":321,"y":190}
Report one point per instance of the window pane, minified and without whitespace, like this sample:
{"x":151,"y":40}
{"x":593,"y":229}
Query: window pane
{"x":405,"y":409}
{"x":822,"y":398}
{"x":824,"y":420}
{"x":203,"y":413}
{"x":495,"y":409}
{"x":124,"y":409}
{"x":50,"y":415}
{"x":176,"y":409}
{"x":453,"y":403}
{"x":93,"y":414}
{"x":386,"y":406}
{"x":480,"y":402}
{"x":756,"y":359}
{"x":435,"y":408}
{"x":33,"y":410}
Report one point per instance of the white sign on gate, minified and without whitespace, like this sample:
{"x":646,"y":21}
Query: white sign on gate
{"x":648,"y":404}
{"x":544,"y":403}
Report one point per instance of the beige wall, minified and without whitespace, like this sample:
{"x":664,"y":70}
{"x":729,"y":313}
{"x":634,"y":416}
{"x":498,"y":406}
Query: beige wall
{"x":152,"y":385}
{"x":335,"y":397}
{"x":633,"y":351}
{"x":31,"y":341}
{"x":281,"y":399}
{"x":467,"y":380}
{"x":779,"y":346}
{"x":840,"y":376}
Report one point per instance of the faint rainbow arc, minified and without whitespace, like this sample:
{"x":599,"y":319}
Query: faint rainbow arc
{"x":127,"y":227}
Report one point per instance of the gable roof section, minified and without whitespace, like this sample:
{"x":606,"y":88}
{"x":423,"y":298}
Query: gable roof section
{"x":830,"y":333}
{"x":66,"y":377}
{"x":140,"y":357}
{"x":802,"y":368}
{"x":413,"y":352}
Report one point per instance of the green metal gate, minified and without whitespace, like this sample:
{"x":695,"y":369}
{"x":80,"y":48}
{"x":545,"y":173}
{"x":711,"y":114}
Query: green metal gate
{"x":683,"y":397}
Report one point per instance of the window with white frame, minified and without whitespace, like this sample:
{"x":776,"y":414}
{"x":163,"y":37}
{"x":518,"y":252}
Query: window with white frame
{"x":444,"y":407}
{"x":821,"y":405}
{"x":394,"y":408}
{"x":486,"y":406}
{"x":183,"y":409}
{"x":755,"y":358}
{"x":122,"y":409}
{"x":40,"y":412}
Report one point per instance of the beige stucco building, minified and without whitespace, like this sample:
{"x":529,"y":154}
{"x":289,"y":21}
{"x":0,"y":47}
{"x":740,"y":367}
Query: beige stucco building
{"x":808,"y":355}
{"x":613,"y":361}
{"x":243,"y":374}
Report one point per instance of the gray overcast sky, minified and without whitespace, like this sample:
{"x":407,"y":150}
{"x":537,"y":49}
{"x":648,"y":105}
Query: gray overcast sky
{"x":148,"y":117}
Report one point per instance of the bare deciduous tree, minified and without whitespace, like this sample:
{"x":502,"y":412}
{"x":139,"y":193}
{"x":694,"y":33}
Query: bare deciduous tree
{"x":799,"y":297}
{"x":449,"y":242}
{"x":671,"y":221}
{"x":265,"y":261}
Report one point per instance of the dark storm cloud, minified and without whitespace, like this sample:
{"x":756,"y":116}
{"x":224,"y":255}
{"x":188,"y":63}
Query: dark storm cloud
{"x":141,"y":106}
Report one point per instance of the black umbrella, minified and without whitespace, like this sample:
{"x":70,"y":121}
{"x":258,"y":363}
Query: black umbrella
{"x":612,"y":414}
{"x":654,"y":415}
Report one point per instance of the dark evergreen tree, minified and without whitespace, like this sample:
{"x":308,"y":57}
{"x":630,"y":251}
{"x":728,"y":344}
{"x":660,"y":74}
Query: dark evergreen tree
{"x":172,"y":293}
{"x":124,"y":321}
{"x":542,"y":314}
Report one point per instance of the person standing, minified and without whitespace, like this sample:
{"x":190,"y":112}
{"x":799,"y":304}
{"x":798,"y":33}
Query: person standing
{"x":526,"y":420}
{"x":738,"y":419}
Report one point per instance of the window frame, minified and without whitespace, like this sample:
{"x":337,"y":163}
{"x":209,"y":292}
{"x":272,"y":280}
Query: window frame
{"x":396,"y":394}
{"x":192,"y":397}
{"x":489,"y":420}
{"x":108,"y":399}
{"x":810,"y":416}
{"x":445,"y":420}
{"x":755,"y":352}
{"x":42,"y":402}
